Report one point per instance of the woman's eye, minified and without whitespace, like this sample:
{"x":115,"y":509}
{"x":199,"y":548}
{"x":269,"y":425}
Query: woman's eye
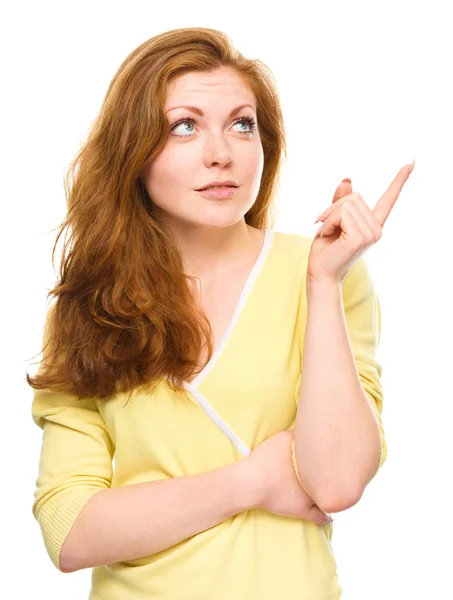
{"x":184,"y":124}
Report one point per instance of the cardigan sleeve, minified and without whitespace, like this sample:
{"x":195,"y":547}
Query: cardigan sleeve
{"x":363,"y":318}
{"x":75,"y":463}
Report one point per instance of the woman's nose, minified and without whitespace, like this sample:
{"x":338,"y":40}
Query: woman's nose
{"x":218,"y":149}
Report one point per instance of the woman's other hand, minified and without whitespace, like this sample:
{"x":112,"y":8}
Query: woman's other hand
{"x":279,"y":489}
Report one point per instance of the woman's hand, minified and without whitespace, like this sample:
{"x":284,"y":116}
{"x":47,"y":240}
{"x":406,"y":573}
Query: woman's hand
{"x":350,"y":227}
{"x":281,"y":492}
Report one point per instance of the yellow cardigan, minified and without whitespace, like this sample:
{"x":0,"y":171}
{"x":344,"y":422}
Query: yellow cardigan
{"x":247,"y":393}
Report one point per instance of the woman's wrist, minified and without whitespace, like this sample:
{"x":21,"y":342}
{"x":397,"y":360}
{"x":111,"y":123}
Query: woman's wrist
{"x":248,"y":485}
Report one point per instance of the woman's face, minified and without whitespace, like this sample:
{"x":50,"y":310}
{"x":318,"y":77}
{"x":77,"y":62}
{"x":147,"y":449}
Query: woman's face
{"x":217,"y":146}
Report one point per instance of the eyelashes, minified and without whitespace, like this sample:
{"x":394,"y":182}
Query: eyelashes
{"x":250,"y":121}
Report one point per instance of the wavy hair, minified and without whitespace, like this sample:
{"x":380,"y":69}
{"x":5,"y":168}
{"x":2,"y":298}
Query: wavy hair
{"x":124,"y":317}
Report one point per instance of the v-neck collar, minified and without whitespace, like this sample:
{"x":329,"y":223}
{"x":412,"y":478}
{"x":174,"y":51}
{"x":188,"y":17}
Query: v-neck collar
{"x":256,"y":269}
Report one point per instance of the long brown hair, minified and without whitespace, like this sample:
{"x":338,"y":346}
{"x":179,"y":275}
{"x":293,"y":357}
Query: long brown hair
{"x":124,"y":316}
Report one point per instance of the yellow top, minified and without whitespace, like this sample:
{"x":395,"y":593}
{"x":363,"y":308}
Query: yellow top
{"x":247,"y":393}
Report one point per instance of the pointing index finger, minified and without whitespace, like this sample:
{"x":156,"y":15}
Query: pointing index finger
{"x":387,"y":201}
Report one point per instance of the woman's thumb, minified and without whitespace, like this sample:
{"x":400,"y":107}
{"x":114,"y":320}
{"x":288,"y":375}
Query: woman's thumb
{"x":318,"y":516}
{"x":344,"y":189}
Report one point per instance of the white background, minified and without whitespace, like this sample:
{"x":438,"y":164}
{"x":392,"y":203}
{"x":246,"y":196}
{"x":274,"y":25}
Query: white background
{"x":365,"y":87}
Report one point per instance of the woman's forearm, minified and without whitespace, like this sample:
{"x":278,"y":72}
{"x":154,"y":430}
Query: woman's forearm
{"x":336,"y":438}
{"x":133,"y":521}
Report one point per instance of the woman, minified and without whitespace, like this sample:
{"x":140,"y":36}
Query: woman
{"x":177,"y":458}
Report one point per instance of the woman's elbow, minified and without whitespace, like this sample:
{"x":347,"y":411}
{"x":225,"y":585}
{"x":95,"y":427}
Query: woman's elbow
{"x":339,"y":502}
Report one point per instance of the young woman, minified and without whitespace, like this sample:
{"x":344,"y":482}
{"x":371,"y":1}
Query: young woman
{"x":183,"y":453}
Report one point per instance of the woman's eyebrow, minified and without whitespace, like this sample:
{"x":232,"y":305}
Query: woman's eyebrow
{"x":198,"y":111}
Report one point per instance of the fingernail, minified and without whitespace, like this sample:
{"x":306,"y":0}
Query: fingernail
{"x":318,"y":217}
{"x":347,"y":180}
{"x":411,"y":168}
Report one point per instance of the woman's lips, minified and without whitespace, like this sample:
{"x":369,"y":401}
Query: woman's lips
{"x":219,"y":192}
